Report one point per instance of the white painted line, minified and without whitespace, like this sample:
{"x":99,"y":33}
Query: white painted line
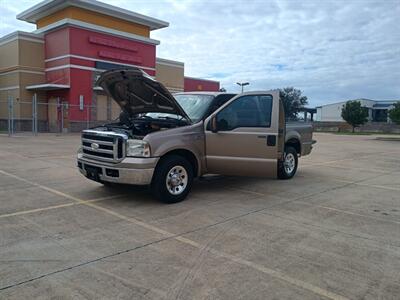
{"x":327,"y":207}
{"x":258,"y":267}
{"x":31,"y":211}
{"x":383,"y":187}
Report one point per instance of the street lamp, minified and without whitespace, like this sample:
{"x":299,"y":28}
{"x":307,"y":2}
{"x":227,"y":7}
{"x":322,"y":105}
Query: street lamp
{"x":242,"y":84}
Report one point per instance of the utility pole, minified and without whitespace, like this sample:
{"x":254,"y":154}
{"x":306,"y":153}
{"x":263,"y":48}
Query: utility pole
{"x":242,"y":84}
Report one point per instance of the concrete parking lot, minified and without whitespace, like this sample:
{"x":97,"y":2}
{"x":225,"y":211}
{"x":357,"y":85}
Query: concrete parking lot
{"x":332,"y":232}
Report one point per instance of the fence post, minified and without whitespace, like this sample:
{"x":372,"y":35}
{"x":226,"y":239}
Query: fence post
{"x":62,"y":117}
{"x":10,"y":116}
{"x":34,"y":114}
{"x":87,"y":117}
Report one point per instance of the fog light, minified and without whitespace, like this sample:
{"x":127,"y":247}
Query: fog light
{"x":112,"y":173}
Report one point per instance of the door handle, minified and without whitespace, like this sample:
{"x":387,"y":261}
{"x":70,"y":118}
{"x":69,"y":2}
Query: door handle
{"x":271,"y":139}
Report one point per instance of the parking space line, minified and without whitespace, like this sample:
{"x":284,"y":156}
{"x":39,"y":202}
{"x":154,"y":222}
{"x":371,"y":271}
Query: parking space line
{"x":347,"y":212}
{"x":350,"y":158}
{"x":273,"y":273}
{"x":380,"y":171}
{"x":299,"y":200}
{"x":30,"y":211}
{"x":389,"y":188}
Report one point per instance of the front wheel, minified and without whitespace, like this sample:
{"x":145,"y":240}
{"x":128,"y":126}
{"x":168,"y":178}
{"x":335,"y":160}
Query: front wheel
{"x":172,"y":179}
{"x":288,"y":167}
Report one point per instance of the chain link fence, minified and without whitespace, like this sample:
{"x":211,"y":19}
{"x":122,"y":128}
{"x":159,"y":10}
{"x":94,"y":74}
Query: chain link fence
{"x":32,"y":116}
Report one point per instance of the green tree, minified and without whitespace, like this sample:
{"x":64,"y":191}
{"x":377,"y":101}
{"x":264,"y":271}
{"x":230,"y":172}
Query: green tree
{"x":354,"y":114}
{"x":394,"y":113}
{"x":293,"y":101}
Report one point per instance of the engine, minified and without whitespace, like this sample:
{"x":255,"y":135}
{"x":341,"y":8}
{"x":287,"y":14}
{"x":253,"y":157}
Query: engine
{"x":140,"y":126}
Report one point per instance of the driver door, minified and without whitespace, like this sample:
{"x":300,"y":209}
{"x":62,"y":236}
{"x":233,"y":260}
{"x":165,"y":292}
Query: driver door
{"x":246,"y":140}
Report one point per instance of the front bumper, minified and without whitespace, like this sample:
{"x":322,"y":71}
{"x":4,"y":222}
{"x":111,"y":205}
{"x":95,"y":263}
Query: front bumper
{"x":131,"y":170}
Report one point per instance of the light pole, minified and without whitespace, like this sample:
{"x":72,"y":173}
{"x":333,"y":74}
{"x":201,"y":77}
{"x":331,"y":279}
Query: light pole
{"x":242,"y":84}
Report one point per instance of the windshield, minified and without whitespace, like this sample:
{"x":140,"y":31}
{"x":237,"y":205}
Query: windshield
{"x":195,"y":106}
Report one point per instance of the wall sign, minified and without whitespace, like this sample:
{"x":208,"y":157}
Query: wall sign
{"x":120,"y":56}
{"x":111,"y":43}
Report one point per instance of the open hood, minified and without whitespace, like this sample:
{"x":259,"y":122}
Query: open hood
{"x":136,"y":92}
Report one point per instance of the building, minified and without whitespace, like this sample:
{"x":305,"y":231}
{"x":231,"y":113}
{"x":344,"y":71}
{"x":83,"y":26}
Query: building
{"x":377,"y":110}
{"x":59,"y":62}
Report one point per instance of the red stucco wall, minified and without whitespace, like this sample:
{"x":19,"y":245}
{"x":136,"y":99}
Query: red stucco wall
{"x":197,"y":84}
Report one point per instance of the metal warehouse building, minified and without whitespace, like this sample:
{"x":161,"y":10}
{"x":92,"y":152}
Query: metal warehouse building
{"x":377,"y":110}
{"x":56,"y":65}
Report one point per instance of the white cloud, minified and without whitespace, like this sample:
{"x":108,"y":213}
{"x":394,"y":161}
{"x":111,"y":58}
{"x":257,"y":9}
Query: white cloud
{"x":332,"y":50}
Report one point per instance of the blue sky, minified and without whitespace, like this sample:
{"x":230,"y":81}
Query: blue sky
{"x":331,"y":50}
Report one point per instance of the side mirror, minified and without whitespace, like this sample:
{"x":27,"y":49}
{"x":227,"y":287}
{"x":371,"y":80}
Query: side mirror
{"x":213,"y":125}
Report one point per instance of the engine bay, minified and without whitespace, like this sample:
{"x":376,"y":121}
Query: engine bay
{"x":139,"y":126}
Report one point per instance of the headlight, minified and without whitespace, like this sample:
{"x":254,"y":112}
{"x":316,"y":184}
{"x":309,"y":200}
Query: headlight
{"x":137,"y":148}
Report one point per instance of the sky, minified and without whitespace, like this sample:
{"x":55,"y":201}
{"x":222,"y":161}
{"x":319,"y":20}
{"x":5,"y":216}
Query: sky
{"x":331,"y":50}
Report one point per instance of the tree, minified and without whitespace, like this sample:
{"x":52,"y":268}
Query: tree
{"x":394,"y":113}
{"x":354,"y":114}
{"x":293,"y":101}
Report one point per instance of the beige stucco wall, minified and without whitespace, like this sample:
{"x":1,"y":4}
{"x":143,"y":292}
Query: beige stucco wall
{"x":172,"y":76}
{"x":8,"y":55}
{"x":18,"y":59}
{"x":8,"y":79}
{"x":31,"y":54}
{"x":26,"y":79}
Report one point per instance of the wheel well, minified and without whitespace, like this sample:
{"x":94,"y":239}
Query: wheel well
{"x":295,"y":143}
{"x":189,"y":156}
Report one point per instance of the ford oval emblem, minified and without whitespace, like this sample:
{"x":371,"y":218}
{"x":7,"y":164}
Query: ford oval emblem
{"x":94,"y":146}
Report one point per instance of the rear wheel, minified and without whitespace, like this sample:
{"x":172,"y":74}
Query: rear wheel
{"x":172,"y":179}
{"x":288,"y":167}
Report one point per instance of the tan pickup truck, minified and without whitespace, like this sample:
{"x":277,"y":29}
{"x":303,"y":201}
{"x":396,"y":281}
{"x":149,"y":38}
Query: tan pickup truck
{"x":165,"y":141}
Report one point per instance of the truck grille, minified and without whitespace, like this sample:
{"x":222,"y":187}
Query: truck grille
{"x":104,"y":146}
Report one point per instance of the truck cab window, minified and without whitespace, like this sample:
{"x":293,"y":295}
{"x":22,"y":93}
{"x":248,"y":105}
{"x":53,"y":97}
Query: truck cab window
{"x":247,"y":111}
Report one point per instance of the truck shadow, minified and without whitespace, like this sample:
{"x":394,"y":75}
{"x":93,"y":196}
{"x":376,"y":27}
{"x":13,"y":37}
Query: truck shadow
{"x":203,"y":187}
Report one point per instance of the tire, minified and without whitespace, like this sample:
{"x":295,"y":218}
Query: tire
{"x":172,"y":180}
{"x":288,"y":167}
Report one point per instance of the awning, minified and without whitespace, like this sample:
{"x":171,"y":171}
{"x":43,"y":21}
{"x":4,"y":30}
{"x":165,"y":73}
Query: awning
{"x":47,"y":87}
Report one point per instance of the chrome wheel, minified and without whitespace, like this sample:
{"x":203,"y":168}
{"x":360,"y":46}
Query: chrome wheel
{"x":177,"y":180}
{"x":289,"y":163}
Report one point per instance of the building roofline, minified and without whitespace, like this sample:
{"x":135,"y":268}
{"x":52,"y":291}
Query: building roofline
{"x":202,"y":79}
{"x":47,"y":87}
{"x":169,"y":62}
{"x":344,"y":101}
{"x":38,"y":38}
{"x":76,"y":23}
{"x":48,"y":7}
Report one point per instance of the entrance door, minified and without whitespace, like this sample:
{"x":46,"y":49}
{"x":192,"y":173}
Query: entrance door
{"x":246,"y":142}
{"x":102,"y":108}
{"x":53,"y":107}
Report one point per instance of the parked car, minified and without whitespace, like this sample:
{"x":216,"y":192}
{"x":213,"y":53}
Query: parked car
{"x":166,"y":141}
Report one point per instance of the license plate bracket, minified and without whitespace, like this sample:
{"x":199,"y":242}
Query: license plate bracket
{"x":93,"y":172}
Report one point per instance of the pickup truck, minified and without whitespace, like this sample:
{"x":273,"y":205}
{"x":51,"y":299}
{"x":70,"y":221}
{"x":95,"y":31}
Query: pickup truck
{"x":165,"y":141}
